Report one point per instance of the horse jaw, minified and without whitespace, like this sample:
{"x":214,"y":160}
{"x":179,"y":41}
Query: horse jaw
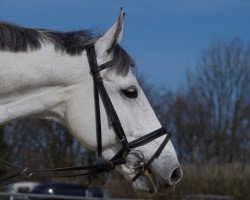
{"x":144,"y":184}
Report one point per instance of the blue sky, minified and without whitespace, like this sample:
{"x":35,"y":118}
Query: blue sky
{"x":165,"y":37}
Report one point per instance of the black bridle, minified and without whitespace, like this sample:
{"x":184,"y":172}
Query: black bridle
{"x":119,"y":159}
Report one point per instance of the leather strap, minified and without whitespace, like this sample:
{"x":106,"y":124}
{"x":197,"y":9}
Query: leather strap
{"x":154,"y":156}
{"x":142,"y":141}
{"x":25,"y":172}
{"x":110,"y":110}
{"x":96,"y":75}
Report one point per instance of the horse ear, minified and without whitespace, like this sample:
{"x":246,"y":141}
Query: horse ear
{"x":113,"y":36}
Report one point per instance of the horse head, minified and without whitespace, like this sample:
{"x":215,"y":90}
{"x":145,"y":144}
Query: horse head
{"x":135,"y":114}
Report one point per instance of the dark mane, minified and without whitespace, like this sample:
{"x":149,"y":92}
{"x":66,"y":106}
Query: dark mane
{"x":19,"y":39}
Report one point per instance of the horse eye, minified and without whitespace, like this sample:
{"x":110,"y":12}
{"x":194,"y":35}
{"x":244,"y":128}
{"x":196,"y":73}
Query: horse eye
{"x":131,"y":92}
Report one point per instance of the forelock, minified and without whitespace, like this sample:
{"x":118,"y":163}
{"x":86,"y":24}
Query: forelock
{"x":122,"y":61}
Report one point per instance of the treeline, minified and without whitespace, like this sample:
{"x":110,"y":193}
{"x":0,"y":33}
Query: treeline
{"x":41,"y":144}
{"x":209,"y":116}
{"x":210,"y":119}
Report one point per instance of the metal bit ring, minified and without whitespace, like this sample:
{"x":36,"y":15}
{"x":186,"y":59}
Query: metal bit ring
{"x":139,"y":159}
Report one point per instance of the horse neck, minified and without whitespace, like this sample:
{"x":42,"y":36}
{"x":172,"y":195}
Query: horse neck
{"x":39,"y":83}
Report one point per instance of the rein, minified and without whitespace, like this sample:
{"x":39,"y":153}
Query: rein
{"x":128,"y":148}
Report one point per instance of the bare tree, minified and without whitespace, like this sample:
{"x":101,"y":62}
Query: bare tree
{"x":4,"y":153}
{"x":212,"y":115}
{"x":49,"y":143}
{"x":2,"y":143}
{"x":45,"y":144}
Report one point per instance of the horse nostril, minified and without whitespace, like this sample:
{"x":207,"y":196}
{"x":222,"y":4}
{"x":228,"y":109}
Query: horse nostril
{"x":176,"y":175}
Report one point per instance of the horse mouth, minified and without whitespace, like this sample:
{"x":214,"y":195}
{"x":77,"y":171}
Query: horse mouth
{"x":149,"y":174}
{"x":147,"y":184}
